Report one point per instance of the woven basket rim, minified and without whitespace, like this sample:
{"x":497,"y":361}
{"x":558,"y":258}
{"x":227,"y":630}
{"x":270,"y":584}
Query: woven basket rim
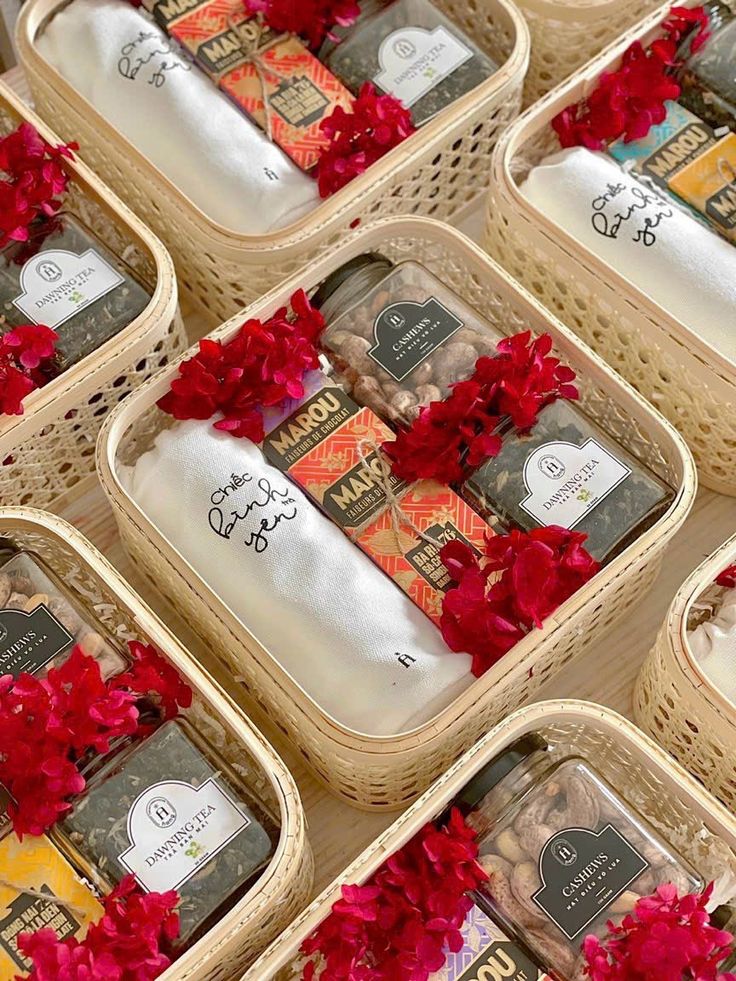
{"x":264,"y":756}
{"x":539,"y":116}
{"x":569,"y":11}
{"x":442,"y":791}
{"x":520,"y":660}
{"x":344,"y":205}
{"x":86,"y":376}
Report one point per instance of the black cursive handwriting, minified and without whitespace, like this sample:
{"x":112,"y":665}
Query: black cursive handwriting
{"x":610,"y":227}
{"x":266,"y":496}
{"x":133,"y":59}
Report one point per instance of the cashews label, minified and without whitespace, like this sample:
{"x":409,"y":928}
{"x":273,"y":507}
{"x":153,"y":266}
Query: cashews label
{"x":29,"y":640}
{"x":175,"y":829}
{"x":407,"y":333}
{"x":583,"y":872}
{"x":57,"y":284}
{"x":414,"y":60}
{"x":566,"y":481}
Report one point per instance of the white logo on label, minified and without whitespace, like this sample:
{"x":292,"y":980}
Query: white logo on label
{"x":175,"y":829}
{"x":565,"y":481}
{"x":57,"y":284}
{"x":564,"y":852}
{"x":414,"y":60}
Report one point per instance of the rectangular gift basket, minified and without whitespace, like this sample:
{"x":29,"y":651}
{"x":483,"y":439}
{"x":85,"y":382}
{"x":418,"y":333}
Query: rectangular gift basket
{"x":662,"y":791}
{"x":438,"y":171}
{"x":677,"y":703}
{"x":285,"y":886}
{"x":387,"y":773}
{"x":690,"y":382}
{"x":50,"y":448}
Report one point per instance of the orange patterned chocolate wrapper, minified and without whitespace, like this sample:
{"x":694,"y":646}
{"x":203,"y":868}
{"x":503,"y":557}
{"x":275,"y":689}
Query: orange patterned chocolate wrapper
{"x":709,"y":184}
{"x":412,"y":562}
{"x":301,"y":91}
{"x":219,"y":34}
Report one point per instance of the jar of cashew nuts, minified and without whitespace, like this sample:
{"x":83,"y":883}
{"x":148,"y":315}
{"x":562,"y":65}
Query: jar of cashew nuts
{"x":42,"y":620}
{"x":565,"y":853}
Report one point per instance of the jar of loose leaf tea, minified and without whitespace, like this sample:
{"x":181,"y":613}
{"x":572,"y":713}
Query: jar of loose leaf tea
{"x":397,"y":336}
{"x":64,"y":277}
{"x":411,"y":50}
{"x":173,"y":813}
{"x":567,"y":471}
{"x":565,"y":851}
{"x":42,"y":619}
{"x":708,"y":78}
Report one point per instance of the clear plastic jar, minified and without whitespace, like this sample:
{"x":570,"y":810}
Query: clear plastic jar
{"x":567,"y":471}
{"x":411,"y":50}
{"x":41,"y":620}
{"x":565,"y":852}
{"x":172,"y":812}
{"x":64,"y":277}
{"x":708,"y":78}
{"x":397,"y":336}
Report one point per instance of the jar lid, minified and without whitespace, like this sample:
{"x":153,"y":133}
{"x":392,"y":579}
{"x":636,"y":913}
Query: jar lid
{"x":494,"y":772}
{"x":343,"y":273}
{"x":718,"y":14}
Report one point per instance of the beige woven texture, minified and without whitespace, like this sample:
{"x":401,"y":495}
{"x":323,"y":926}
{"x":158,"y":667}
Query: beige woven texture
{"x":567,"y":33}
{"x":643,"y":774}
{"x":387,"y":773}
{"x":51,"y":448}
{"x":285,"y":887}
{"x":674,"y":700}
{"x":686,"y":379}
{"x":437,"y":172}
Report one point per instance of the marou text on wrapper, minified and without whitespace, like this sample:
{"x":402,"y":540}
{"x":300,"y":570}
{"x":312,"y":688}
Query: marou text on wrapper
{"x":331,"y":447}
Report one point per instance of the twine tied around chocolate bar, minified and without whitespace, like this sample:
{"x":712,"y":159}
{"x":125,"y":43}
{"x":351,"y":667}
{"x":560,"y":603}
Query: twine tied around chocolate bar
{"x":253,"y":52}
{"x":399,"y":518}
{"x":45,"y":896}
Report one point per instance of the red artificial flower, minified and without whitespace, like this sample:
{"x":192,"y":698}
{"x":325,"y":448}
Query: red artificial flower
{"x":131,"y":942}
{"x":25,"y":354}
{"x":263,"y":365}
{"x":312,"y":20}
{"x":451,"y":437}
{"x":519,"y":581}
{"x":14,"y":387}
{"x":627,"y":102}
{"x":398,"y":926}
{"x":152,"y":674}
{"x":357,"y":139}
{"x":666,"y":938}
{"x":727,"y":578}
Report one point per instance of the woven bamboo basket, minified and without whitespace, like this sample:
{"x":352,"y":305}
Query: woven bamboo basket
{"x":686,"y":379}
{"x":437,"y":172}
{"x":50,"y":448}
{"x":664,"y":793}
{"x":567,"y":33}
{"x":387,"y":773}
{"x":285,"y":886}
{"x":676,"y":702}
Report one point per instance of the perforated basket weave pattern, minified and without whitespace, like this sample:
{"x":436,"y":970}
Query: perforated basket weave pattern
{"x":284,"y":888}
{"x":437,"y":172}
{"x":50,"y":448}
{"x":689,"y":382}
{"x":641,"y":772}
{"x":677,"y":704}
{"x":387,"y":773}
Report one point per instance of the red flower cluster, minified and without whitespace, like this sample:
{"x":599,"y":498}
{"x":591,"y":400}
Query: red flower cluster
{"x":263,"y":365}
{"x":520,"y":580}
{"x":47,"y":726}
{"x":132,"y":941}
{"x":35,"y":181}
{"x":629,"y":101}
{"x":310,"y":19}
{"x":727,"y":578}
{"x":357,"y":139}
{"x":398,"y":926}
{"x":666,"y":938}
{"x":450,"y":438}
{"x":25,"y":353}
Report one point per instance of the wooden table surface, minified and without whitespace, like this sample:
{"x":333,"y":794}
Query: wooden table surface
{"x":606,"y":674}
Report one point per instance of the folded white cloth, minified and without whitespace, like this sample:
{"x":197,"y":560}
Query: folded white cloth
{"x":122,"y":62}
{"x":713,"y":644}
{"x":337,"y":624}
{"x":682,"y":265}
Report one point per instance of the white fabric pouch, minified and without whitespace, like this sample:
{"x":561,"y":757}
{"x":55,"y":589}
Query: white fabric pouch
{"x":331,"y":618}
{"x":713,"y":644}
{"x":680,"y":264}
{"x":132,"y":73}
